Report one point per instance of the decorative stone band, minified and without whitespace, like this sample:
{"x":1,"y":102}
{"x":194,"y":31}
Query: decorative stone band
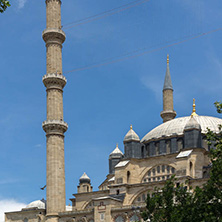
{"x":55,"y":127}
{"x":54,"y":81}
{"x":53,"y":36}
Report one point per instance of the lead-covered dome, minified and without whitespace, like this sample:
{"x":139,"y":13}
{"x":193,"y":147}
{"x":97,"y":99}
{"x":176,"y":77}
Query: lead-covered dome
{"x":131,"y":136}
{"x":84,"y":178}
{"x":39,"y":204}
{"x":116,"y":152}
{"x":176,"y":127}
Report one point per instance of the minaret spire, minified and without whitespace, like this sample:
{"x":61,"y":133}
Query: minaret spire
{"x":168,"y":112}
{"x":167,"y":81}
{"x":54,"y":126}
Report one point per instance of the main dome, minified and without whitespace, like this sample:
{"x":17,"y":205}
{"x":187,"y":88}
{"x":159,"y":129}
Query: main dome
{"x":176,"y":127}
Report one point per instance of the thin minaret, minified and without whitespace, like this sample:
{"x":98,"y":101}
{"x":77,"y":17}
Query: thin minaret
{"x":168,"y":112}
{"x":54,"y":126}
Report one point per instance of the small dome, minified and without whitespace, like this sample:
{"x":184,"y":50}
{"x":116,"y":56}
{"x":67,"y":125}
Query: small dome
{"x":68,"y":208}
{"x":40,"y":204}
{"x":192,"y":124}
{"x":131,"y":136}
{"x":84,"y":178}
{"x":116,"y":152}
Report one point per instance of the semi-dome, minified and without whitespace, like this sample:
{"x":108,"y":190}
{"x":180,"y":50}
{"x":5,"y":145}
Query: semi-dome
{"x":176,"y":127}
{"x":40,"y":204}
{"x":131,"y":136}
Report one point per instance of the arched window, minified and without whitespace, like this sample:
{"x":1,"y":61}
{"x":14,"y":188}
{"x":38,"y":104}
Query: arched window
{"x":168,"y":146}
{"x":157,"y":145}
{"x":191,"y":169}
{"x":119,"y":219}
{"x":141,"y":198}
{"x":128,"y":176}
{"x":148,"y":150}
{"x":180,"y":144}
{"x":142,"y":151}
{"x":134,"y":218}
{"x":25,"y":220}
{"x":144,"y":197}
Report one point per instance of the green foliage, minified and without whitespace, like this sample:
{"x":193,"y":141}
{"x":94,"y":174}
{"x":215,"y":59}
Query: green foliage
{"x":218,"y":106}
{"x":175,"y":202}
{"x":4,"y":4}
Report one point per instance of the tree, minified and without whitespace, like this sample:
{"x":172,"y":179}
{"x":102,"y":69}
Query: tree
{"x":177,"y":203}
{"x":4,"y":4}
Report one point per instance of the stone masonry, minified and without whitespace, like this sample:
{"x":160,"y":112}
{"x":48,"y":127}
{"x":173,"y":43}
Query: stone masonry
{"x":168,"y":112}
{"x":54,"y":126}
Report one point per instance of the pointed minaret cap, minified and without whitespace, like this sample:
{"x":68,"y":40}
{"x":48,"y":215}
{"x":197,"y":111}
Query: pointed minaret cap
{"x":116,"y":151}
{"x":84,"y":178}
{"x":167,"y":81}
{"x":131,"y":136}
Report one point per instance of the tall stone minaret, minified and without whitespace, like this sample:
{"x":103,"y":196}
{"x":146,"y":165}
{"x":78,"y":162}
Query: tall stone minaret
{"x":168,"y":112}
{"x":54,"y":126}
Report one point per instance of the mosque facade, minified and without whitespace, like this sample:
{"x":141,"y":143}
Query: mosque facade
{"x":177,"y":147}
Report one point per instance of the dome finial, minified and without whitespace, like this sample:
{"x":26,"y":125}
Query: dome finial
{"x":117,"y":145}
{"x":194,"y":109}
{"x":168,"y":59}
{"x":131,"y":126}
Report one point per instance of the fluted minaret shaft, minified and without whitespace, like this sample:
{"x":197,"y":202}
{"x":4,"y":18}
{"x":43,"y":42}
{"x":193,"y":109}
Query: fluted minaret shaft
{"x":168,"y":112}
{"x":54,"y":126}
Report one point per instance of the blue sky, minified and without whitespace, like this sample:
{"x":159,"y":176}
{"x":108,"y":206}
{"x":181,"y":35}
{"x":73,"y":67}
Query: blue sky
{"x":100,"y":103}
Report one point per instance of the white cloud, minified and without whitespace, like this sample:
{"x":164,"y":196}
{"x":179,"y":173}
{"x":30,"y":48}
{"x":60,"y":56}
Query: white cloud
{"x":7,"y":181}
{"x":21,"y":3}
{"x":8,"y":205}
{"x":153,"y":83}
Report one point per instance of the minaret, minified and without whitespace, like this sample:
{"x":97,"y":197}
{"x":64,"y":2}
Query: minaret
{"x":54,"y":126}
{"x":168,"y":112}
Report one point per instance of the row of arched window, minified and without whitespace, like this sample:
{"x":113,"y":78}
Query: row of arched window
{"x":168,"y":146}
{"x":158,"y":173}
{"x":81,"y":220}
{"x":132,"y":218}
{"x":164,"y":147}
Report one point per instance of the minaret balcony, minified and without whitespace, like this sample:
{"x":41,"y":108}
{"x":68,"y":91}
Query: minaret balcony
{"x":54,"y":80}
{"x":53,"y":35}
{"x":55,"y":127}
{"x":168,"y":115}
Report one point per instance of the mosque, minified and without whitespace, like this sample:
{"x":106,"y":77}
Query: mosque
{"x":177,"y":147}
